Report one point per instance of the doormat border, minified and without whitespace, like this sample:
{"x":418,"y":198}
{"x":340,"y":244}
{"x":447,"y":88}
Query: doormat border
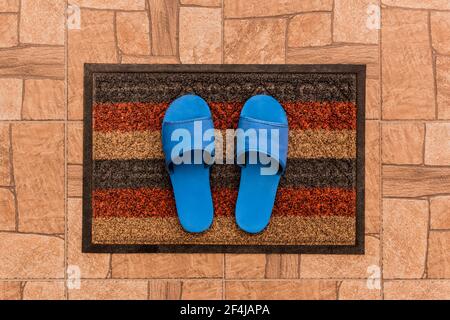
{"x":89,"y":247}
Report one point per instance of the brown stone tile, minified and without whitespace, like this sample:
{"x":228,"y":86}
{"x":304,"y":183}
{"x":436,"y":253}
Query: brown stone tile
{"x":9,"y":5}
{"x":437,"y":144}
{"x":414,"y":181}
{"x":43,"y":99}
{"x":292,"y":290}
{"x":150,"y":59}
{"x":341,"y":266}
{"x":405,"y":228}
{"x":440,"y":213}
{"x":8,"y":30}
{"x":357,"y":290}
{"x":417,"y":290}
{"x":74,"y":181}
{"x":359,"y":54}
{"x":289,"y":268}
{"x":440,"y":29}
{"x":255,"y":8}
{"x":133,"y":32}
{"x":408,"y":83}
{"x":10,"y":290}
{"x":39,"y":61}
{"x":273,"y":266}
{"x":42,"y":21}
{"x":200,"y":35}
{"x":11,"y":98}
{"x":91,"y":265}
{"x":310,"y":29}
{"x":443,"y":86}
{"x":419,"y":4}
{"x":185,"y":290}
{"x":167,"y":265}
{"x":44,"y":290}
{"x":163,"y":19}
{"x":165,"y":289}
{"x":351,"y":22}
{"x":245,"y":266}
{"x":255,"y":41}
{"x":108,"y":4}
{"x":75,"y":143}
{"x":8,"y":210}
{"x":98,"y":25}
{"x":372,"y":177}
{"x":174,"y":290}
{"x":31,"y":256}
{"x":438,"y":261}
{"x":282,"y":266}
{"x":110,"y":290}
{"x":201,"y":290}
{"x":205,"y":3}
{"x":5,"y":145}
{"x":38,"y":153}
{"x":402,"y":143}
{"x":157,"y":289}
{"x":373,"y":99}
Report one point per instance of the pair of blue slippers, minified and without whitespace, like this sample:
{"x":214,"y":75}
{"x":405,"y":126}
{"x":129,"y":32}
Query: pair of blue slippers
{"x":189,"y":116}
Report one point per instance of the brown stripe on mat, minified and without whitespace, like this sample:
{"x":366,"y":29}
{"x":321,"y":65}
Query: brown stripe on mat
{"x":238,"y":85}
{"x":307,"y":173}
{"x":145,"y":202}
{"x":131,"y":116}
{"x":147,"y":144}
{"x":125,"y":145}
{"x":282,"y":230}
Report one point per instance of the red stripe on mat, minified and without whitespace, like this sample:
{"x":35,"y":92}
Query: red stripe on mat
{"x":134,"y":116}
{"x":146,"y":202}
{"x":128,"y":116}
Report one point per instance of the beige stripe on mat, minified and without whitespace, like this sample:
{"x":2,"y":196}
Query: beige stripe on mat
{"x":147,"y":144}
{"x":290,"y":230}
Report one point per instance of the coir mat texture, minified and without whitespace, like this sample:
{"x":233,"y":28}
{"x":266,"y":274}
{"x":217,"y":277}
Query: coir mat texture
{"x":128,"y":201}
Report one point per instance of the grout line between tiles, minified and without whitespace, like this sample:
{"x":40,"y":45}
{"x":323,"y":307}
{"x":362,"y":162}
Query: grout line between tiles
{"x":425,"y":268}
{"x":19,"y":13}
{"x":13,"y":180}
{"x":116,"y":42}
{"x":414,"y":9}
{"x":223,"y":31}
{"x":338,"y":288}
{"x":433,"y":63}
{"x":23,"y":99}
{"x":197,"y":6}
{"x":150,"y":29}
{"x":277,"y":16}
{"x":332,"y":21}
{"x":22,"y":289}
{"x":424,"y":143}
{"x":177,"y":33}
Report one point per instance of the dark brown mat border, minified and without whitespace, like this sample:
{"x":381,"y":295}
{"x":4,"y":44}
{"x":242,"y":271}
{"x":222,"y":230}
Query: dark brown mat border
{"x":89,"y":247}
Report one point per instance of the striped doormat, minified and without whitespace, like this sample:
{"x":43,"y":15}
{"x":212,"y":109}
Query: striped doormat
{"x":128,"y":201}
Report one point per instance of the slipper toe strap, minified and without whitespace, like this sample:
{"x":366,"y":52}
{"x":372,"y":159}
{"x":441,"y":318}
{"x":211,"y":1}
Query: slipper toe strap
{"x":259,"y":137}
{"x":189,"y":142}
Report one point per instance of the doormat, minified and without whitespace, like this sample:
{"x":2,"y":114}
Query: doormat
{"x":128,"y":204}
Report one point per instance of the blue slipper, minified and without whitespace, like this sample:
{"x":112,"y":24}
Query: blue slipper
{"x":263,"y":160}
{"x":188,"y":160}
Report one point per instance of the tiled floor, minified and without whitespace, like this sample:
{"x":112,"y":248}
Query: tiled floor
{"x":408,"y":143}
